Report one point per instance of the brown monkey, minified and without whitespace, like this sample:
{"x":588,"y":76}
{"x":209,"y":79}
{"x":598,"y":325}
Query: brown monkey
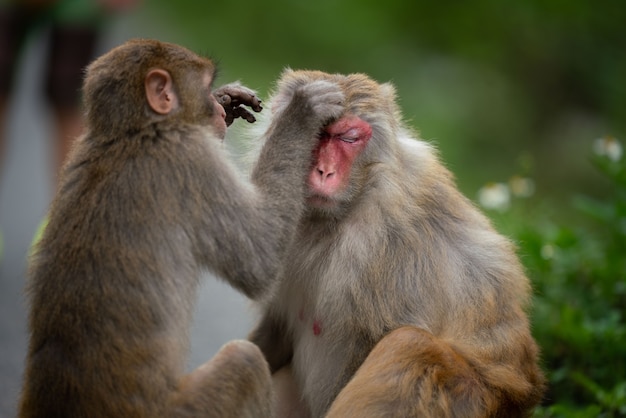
{"x":390,"y":252}
{"x":147,"y":199}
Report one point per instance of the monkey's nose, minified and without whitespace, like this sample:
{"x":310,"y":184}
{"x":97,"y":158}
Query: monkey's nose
{"x":325,"y":174}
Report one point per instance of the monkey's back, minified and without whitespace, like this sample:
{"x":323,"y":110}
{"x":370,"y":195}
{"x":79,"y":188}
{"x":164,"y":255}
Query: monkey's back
{"x":111,"y":277}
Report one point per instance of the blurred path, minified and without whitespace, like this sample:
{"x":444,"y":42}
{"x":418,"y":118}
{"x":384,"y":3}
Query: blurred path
{"x":25,"y":191}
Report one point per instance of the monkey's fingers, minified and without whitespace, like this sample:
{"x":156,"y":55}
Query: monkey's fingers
{"x":242,"y":112}
{"x":229,"y":119}
{"x":253,"y":102}
{"x":240,"y":95}
{"x":223,"y":99}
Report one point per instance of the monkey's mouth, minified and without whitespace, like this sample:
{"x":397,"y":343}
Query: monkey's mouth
{"x":319,"y":201}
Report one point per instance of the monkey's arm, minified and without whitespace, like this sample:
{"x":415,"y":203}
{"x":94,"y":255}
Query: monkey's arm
{"x":246,"y":229}
{"x":272,"y":337}
{"x":232,"y":97}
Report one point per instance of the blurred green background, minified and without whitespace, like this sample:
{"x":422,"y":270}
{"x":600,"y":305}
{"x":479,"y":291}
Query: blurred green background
{"x":504,"y":89}
{"x":498,"y":86}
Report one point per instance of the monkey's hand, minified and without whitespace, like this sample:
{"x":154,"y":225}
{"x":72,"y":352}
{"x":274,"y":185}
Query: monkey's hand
{"x":233,"y":97}
{"x":302,"y":111}
{"x":325,"y":100}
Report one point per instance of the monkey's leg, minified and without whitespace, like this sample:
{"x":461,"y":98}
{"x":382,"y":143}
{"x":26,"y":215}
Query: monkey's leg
{"x":234,"y":383}
{"x":271,"y":336}
{"x":287,"y":395}
{"x":410,"y":373}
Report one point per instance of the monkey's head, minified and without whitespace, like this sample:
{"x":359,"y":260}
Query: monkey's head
{"x":351,"y":147}
{"x":146,"y":81}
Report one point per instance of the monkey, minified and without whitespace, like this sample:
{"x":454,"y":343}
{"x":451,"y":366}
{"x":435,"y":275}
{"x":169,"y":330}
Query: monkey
{"x":149,"y":199}
{"x":397,"y":296}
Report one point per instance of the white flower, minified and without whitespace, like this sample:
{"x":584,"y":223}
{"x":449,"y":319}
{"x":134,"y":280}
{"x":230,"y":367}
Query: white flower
{"x":522,"y":186}
{"x":609,"y":147}
{"x":495,"y":196}
{"x":547,"y":251}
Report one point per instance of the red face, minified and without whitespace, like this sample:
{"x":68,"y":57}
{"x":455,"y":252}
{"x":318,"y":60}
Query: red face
{"x":340,"y":144}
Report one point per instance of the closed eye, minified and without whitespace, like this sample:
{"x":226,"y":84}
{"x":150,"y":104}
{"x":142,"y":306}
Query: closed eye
{"x":350,"y":136}
{"x":349,"y":139}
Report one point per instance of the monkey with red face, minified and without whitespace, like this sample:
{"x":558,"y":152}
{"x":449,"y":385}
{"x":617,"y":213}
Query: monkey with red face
{"x":397,"y":296}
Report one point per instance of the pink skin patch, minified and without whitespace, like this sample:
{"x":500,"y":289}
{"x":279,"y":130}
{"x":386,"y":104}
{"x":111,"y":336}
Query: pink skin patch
{"x":218,"y":120}
{"x":317,"y":328}
{"x":340,"y":144}
{"x":317,"y":324}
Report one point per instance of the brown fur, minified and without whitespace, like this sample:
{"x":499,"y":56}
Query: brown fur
{"x":147,"y":200}
{"x":402,"y":247}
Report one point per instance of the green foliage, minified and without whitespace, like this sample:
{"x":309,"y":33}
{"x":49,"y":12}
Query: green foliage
{"x":483,"y":79}
{"x":578,"y":270}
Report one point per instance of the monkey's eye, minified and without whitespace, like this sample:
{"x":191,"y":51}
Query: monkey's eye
{"x":350,"y":136}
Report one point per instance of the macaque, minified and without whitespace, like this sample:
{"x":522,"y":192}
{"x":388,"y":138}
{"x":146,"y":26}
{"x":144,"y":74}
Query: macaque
{"x":147,"y":200}
{"x":391,"y":261}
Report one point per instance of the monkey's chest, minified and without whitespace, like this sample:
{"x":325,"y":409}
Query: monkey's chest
{"x":321,"y":310}
{"x":315,"y":302}
{"x":317,"y":292}
{"x":319,"y":357}
{"x":321,"y":323}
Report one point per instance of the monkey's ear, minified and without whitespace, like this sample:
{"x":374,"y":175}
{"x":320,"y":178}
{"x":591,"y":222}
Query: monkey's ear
{"x":160,"y":91}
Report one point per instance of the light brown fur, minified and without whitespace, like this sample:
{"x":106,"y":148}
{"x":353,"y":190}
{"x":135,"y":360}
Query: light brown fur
{"x":401,"y":247}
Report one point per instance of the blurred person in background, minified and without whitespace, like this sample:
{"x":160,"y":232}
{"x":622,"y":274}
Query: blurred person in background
{"x":74,"y":28}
